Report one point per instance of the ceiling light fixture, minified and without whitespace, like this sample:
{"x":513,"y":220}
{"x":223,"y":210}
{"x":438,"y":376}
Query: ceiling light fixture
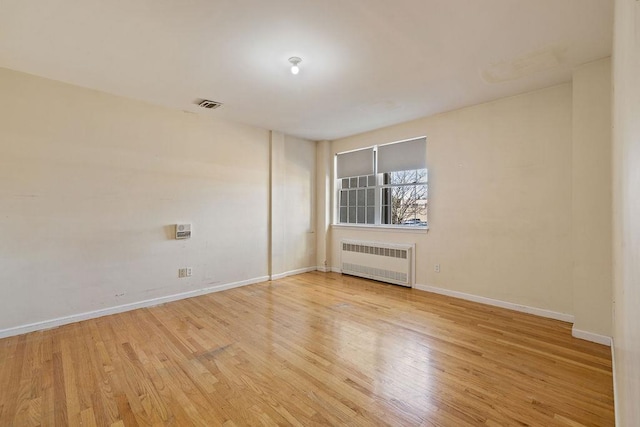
{"x":294,"y":64}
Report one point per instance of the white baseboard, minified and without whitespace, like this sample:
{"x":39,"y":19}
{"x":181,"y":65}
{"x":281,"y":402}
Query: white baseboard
{"x":498,"y":303}
{"x":590,"y":336}
{"x":323,"y":269}
{"x":52,"y":323}
{"x":336,"y":270}
{"x":616,"y":405}
{"x":292,"y":273}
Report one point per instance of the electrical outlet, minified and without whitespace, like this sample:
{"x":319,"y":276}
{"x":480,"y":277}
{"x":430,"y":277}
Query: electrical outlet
{"x":437,"y":268}
{"x":188,"y":271}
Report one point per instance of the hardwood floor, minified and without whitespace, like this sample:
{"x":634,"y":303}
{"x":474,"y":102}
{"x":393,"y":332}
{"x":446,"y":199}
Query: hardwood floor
{"x":312,"y":349}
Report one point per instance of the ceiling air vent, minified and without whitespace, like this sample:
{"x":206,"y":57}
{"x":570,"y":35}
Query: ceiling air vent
{"x":205,"y":103}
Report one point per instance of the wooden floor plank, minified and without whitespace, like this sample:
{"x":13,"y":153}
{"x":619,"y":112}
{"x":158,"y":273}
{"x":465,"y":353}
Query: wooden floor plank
{"x":312,"y":349}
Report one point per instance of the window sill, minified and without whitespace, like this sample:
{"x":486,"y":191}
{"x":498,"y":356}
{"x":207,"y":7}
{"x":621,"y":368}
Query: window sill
{"x":383,"y":228}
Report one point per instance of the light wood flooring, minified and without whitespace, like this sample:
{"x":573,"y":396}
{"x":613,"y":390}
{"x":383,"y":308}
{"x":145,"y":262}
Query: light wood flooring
{"x":312,"y":349}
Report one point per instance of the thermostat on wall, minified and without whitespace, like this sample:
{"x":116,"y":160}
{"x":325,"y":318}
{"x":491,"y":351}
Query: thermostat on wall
{"x":183,"y":231}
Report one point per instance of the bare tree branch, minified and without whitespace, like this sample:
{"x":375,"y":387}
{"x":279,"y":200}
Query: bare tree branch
{"x":408,"y":202}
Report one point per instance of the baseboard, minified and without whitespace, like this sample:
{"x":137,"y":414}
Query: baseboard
{"x":52,"y":323}
{"x":292,"y":273}
{"x":498,"y":303}
{"x":329,"y":269}
{"x":590,"y":336}
{"x":615,"y":384}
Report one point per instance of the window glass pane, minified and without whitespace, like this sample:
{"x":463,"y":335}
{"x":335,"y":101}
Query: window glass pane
{"x":386,"y":196}
{"x":422,"y":193}
{"x":403,"y":177}
{"x":362,"y":197}
{"x":400,"y":198}
{"x":385,"y":214}
{"x":353,"y":183}
{"x":422,"y":199}
{"x":371,"y":196}
{"x":422,"y":175}
{"x":371,"y":215}
{"x":343,"y":198}
{"x":343,"y":214}
{"x":352,"y":197}
{"x":361,"y":215}
{"x":407,"y":206}
{"x":352,"y":215}
{"x":345,"y":183}
{"x":372,"y":180}
{"x":362,"y":181}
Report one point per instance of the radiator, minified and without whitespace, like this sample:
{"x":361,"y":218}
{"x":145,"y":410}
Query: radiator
{"x":386,"y":262}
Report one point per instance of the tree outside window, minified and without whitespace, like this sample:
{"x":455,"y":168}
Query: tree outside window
{"x":405,"y":198}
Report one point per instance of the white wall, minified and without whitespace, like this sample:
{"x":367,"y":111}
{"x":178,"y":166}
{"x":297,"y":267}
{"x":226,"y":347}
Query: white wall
{"x":591,"y":226}
{"x":91,"y":185}
{"x":500,"y":199}
{"x":626,"y":137}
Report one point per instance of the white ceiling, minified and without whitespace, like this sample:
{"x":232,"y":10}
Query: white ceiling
{"x":366,"y":63}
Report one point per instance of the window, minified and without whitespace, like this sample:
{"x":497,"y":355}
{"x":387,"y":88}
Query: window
{"x":358,"y":200}
{"x":404,"y":197}
{"x":383,"y":185}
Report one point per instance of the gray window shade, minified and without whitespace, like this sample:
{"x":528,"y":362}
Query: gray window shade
{"x":402,"y":156}
{"x":354,"y":163}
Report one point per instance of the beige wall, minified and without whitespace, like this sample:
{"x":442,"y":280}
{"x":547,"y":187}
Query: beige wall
{"x":626,"y":161}
{"x":277,"y":257}
{"x":91,"y":185}
{"x":300,"y":204}
{"x":293,"y":180}
{"x":591,"y":197}
{"x":323,"y":210}
{"x":500,"y":199}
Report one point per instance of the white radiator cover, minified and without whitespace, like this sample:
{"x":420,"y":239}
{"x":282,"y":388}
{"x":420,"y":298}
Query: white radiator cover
{"x":385,"y":262}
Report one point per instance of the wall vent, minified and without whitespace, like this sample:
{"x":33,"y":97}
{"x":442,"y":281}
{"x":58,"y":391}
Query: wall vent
{"x":206,"y":103}
{"x":375,"y":250}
